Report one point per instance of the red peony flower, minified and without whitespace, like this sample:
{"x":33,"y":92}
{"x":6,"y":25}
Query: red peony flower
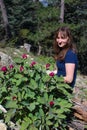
{"x":11,"y":66}
{"x":33,"y":63}
{"x":51,"y":103}
{"x":14,"y":98}
{"x":21,"y":68}
{"x":51,"y":74}
{"x":24,"y":56}
{"x":4,"y":69}
{"x":47,"y":66}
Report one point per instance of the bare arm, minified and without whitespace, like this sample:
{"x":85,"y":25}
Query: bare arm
{"x":70,"y":67}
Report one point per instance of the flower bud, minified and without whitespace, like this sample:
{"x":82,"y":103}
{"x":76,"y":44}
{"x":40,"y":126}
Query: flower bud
{"x":51,"y":103}
{"x":4,"y":69}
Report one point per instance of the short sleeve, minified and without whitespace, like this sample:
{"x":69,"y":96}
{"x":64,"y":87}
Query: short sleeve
{"x":70,"y":57}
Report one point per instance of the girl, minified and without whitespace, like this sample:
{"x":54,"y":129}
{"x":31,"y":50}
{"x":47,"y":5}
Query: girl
{"x":65,"y":55}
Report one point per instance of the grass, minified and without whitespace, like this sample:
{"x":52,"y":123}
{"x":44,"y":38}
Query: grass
{"x":17,"y":52}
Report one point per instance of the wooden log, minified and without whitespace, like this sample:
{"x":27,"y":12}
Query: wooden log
{"x":80,"y":109}
{"x":70,"y":128}
{"x":80,"y":112}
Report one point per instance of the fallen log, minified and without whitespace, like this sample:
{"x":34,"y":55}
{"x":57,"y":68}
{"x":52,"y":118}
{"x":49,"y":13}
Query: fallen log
{"x":80,"y":109}
{"x":80,"y":113}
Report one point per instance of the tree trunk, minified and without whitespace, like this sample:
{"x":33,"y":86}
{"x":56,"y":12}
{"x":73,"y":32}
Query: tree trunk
{"x":5,"y":19}
{"x":39,"y":49}
{"x":62,"y":12}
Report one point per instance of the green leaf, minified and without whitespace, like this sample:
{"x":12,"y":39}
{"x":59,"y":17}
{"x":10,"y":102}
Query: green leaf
{"x":50,"y":98}
{"x":24,"y":79}
{"x":25,"y":123}
{"x":7,"y":76}
{"x":18,"y":82}
{"x":32,"y":106}
{"x":25,"y":103}
{"x":32,"y":128}
{"x":1,"y":75}
{"x":18,"y":60}
{"x":15,"y":89}
{"x":18,"y":76}
{"x":62,"y":116}
{"x":66,"y":109}
{"x":3,"y":89}
{"x":32,"y":74}
{"x":50,"y":116}
{"x":11,"y":104}
{"x":29,"y":94}
{"x":52,"y":88}
{"x":56,"y":125}
{"x":69,"y":105}
{"x":41,"y":113}
{"x":47,"y":127}
{"x":41,"y":100}
{"x":60,"y":111}
{"x":10,"y":113}
{"x":46,"y":78}
{"x":48,"y":122}
{"x":46,"y":97}
{"x":23,"y":94}
{"x":59,"y":79}
{"x":37,"y":77}
{"x":19,"y":96}
{"x":33,"y":84}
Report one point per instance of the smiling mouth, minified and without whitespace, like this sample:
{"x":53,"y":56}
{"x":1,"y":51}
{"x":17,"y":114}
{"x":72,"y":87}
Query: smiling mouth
{"x":60,"y":43}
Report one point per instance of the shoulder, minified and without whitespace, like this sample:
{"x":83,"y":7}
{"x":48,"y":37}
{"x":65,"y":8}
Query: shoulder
{"x":70,"y":52}
{"x":70,"y":57}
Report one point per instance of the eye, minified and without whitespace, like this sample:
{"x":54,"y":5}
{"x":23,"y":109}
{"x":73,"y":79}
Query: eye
{"x":58,"y":37}
{"x":62,"y":37}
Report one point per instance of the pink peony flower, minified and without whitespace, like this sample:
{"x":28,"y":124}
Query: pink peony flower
{"x":51,"y":74}
{"x":11,"y":66}
{"x":21,"y":68}
{"x":33,"y":63}
{"x":47,"y":66}
{"x":4,"y":69}
{"x":24,"y":56}
{"x":51,"y":103}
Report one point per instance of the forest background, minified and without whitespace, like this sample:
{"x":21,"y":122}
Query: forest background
{"x":35,"y":22}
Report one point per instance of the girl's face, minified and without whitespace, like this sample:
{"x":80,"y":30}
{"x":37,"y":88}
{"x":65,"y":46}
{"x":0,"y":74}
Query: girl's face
{"x":62,"y":40}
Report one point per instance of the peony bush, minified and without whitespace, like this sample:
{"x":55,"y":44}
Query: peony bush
{"x":34,"y":100}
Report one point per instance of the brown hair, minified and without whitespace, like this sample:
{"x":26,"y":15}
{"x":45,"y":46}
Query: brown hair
{"x":61,"y":52}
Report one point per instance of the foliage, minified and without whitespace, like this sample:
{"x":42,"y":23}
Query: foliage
{"x":40,"y":22}
{"x":37,"y":24}
{"x":82,"y":56}
{"x":34,"y":99}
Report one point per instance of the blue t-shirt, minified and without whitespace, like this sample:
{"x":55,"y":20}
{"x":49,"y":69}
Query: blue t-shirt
{"x":70,"y":57}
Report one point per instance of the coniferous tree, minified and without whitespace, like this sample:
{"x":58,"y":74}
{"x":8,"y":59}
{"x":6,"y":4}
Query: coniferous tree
{"x":5,"y":19}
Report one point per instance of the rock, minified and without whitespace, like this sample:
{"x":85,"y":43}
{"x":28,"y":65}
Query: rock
{"x":2,"y":126}
{"x":5,"y":60}
{"x":3,"y":109}
{"x":27,"y":47}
